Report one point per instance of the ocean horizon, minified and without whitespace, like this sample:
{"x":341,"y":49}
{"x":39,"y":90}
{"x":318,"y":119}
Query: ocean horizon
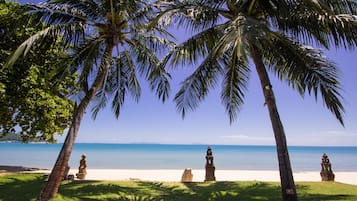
{"x":177,"y":156}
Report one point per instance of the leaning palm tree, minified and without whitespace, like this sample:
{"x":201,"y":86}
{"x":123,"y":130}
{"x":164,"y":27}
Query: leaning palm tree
{"x":274,"y":34}
{"x":110,"y":42}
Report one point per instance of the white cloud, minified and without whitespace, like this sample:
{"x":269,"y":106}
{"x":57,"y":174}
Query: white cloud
{"x":246,"y":139}
{"x":338,"y":133}
{"x":324,"y":138}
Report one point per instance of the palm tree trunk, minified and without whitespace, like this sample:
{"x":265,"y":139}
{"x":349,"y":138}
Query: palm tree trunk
{"x":286,"y":175}
{"x":50,"y":189}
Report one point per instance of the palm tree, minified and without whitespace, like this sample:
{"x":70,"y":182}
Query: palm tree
{"x":110,"y":42}
{"x":272,"y":33}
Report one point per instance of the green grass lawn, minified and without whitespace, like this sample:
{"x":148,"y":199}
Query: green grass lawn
{"x":18,"y":187}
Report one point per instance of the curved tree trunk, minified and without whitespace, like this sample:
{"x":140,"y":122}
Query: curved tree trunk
{"x":286,"y":175}
{"x":50,"y":189}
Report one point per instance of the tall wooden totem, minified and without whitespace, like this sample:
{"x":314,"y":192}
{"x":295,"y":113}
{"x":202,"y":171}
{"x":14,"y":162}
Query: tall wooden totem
{"x":209,"y":166}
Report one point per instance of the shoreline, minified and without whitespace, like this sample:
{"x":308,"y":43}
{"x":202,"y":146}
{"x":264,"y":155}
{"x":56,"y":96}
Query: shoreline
{"x":14,"y":168}
{"x":175,"y":175}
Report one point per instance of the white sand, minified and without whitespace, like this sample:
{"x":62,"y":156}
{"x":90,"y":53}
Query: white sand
{"x":199,"y":175}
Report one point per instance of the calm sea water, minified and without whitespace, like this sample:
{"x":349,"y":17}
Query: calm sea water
{"x":159,"y":156}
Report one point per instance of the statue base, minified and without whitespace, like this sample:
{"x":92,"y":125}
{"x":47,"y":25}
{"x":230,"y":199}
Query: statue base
{"x":210,"y":174}
{"x":327,"y":176}
{"x":81,"y":175}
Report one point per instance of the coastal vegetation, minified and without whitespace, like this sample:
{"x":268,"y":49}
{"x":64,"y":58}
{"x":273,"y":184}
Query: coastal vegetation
{"x":35,"y":102}
{"x":26,"y":187}
{"x":110,"y":42}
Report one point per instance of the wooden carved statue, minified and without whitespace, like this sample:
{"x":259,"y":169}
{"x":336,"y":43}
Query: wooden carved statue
{"x":209,"y":166}
{"x":82,"y":170}
{"x":187,"y":175}
{"x":326,"y":170}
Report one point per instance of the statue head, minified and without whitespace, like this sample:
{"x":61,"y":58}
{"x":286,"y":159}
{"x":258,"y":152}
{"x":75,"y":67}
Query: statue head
{"x":209,"y":150}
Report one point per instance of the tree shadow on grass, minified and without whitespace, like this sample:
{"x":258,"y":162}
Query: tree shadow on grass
{"x":303,"y":195}
{"x":231,"y":191}
{"x":92,"y":190}
{"x":21,"y":187}
{"x":195,"y":191}
{"x":166,"y":192}
{"x":26,"y":187}
{"x":217,"y":191}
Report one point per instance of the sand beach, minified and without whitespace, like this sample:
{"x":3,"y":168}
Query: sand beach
{"x":174,"y":175}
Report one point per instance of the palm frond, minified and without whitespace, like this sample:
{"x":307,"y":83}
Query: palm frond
{"x":159,"y":82}
{"x":25,"y":47}
{"x":149,"y":67}
{"x":155,"y":39}
{"x":230,"y":52}
{"x":305,"y":69}
{"x":123,"y":80}
{"x":99,"y":102}
{"x":195,"y":15}
{"x":233,"y":36}
{"x":146,"y":59}
{"x":118,"y":78}
{"x":338,"y":6}
{"x":118,"y":101}
{"x":193,"y":48}
{"x":101,"y":98}
{"x":195,"y":88}
{"x":144,"y":13}
{"x":68,"y":33}
{"x":56,"y":13}
{"x":86,"y":58}
{"x":65,"y":11}
{"x":235,"y":80}
{"x":132,"y":83}
{"x":324,"y":22}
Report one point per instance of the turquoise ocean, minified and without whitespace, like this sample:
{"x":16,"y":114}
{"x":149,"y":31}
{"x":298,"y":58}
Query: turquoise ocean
{"x":169,"y":156}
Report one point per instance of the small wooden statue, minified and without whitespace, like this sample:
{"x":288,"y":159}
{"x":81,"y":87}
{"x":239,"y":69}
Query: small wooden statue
{"x":326,"y":170}
{"x":82,"y":170}
{"x":187,"y":175}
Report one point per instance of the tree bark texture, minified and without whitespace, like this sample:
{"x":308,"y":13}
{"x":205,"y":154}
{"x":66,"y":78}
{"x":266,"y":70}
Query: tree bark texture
{"x":286,"y":175}
{"x":50,"y":188}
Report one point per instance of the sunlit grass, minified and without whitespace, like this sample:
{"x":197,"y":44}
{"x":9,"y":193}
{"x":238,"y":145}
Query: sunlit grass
{"x":27,"y":186}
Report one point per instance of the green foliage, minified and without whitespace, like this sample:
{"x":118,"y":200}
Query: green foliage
{"x":26,"y":187}
{"x":110,"y":44}
{"x":105,"y":32}
{"x":34,"y":94}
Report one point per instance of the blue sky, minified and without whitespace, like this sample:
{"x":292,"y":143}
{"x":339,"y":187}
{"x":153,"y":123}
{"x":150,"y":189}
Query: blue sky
{"x":306,"y":121}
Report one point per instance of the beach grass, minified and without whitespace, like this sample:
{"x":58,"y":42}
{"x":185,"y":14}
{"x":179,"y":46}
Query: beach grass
{"x":26,"y":187}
